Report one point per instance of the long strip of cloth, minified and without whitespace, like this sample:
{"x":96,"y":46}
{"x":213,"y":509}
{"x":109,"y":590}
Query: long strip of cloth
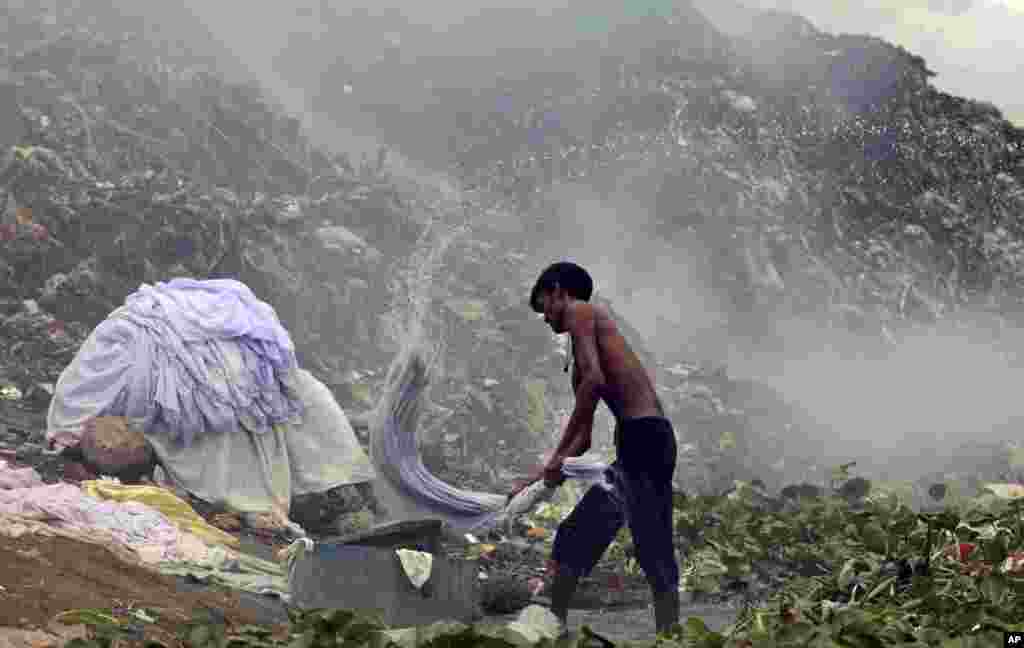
{"x":395,"y":455}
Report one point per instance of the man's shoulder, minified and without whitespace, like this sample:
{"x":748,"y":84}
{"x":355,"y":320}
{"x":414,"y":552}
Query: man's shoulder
{"x":581,"y":311}
{"x":588,"y":316}
{"x":589,"y":309}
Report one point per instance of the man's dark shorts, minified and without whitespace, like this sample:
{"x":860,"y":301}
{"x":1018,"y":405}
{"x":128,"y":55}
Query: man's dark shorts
{"x":642,"y":496}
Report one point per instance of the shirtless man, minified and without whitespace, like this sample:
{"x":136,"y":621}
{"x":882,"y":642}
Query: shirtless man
{"x":606,"y":368}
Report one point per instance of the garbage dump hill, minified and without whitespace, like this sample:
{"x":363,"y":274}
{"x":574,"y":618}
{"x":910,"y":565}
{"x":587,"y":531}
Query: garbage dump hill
{"x":129,"y":159}
{"x":848,"y":178}
{"x":841,"y":189}
{"x":798,"y":181}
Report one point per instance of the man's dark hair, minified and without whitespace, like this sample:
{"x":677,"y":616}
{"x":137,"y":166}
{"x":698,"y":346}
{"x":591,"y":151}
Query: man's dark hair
{"x":572,"y":278}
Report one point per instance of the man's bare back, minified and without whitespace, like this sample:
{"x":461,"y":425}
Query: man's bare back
{"x":628,"y":390}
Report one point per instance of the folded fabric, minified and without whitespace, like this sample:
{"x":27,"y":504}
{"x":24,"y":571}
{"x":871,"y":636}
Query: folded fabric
{"x":235,"y":570}
{"x":588,"y":470}
{"x":66,"y":506}
{"x":170,"y":505}
{"x":161,"y":359}
{"x":11,"y":477}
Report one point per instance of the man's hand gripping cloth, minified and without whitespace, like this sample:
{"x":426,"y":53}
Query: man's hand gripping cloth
{"x":160,"y":360}
{"x":395,"y":455}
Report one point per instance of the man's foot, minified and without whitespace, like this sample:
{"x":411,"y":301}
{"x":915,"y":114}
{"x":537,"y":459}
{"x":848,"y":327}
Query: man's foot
{"x":666,"y":610}
{"x":563,"y":630}
{"x":563,"y":586}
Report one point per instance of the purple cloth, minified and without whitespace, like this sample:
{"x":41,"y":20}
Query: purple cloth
{"x":197,"y":357}
{"x":396,"y":455}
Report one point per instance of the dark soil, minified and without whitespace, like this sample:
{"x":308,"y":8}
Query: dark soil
{"x":44,"y":576}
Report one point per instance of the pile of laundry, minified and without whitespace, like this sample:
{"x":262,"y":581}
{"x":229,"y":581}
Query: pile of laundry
{"x":164,"y":356}
{"x":149,"y":524}
{"x":208,"y":375}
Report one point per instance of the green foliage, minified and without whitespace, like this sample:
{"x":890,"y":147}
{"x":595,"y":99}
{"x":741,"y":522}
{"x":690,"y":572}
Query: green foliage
{"x":110,"y":628}
{"x":883,"y":575}
{"x":885,"y":572}
{"x":335,"y":629}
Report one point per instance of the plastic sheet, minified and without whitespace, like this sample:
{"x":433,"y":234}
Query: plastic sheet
{"x":261,"y":473}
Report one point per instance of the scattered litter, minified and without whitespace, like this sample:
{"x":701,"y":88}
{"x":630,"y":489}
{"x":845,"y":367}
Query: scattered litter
{"x":535,"y":624}
{"x":536,"y":586}
{"x":1006,"y":491}
{"x":417,"y":565}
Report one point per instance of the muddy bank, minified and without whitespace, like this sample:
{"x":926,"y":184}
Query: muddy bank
{"x":44,"y":576}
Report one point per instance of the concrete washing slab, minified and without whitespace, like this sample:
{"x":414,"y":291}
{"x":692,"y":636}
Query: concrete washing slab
{"x":357,"y":577}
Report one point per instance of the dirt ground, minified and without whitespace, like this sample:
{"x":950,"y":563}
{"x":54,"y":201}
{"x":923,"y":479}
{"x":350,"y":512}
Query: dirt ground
{"x":44,"y":576}
{"x":635,"y":623}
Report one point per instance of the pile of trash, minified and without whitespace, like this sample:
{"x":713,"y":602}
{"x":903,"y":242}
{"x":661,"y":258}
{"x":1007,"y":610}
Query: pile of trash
{"x":39,"y":348}
{"x":832,"y":184}
{"x":830,"y":172}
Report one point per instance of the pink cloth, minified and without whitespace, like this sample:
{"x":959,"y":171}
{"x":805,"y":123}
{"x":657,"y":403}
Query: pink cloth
{"x":11,"y":477}
{"x":65,"y":506}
